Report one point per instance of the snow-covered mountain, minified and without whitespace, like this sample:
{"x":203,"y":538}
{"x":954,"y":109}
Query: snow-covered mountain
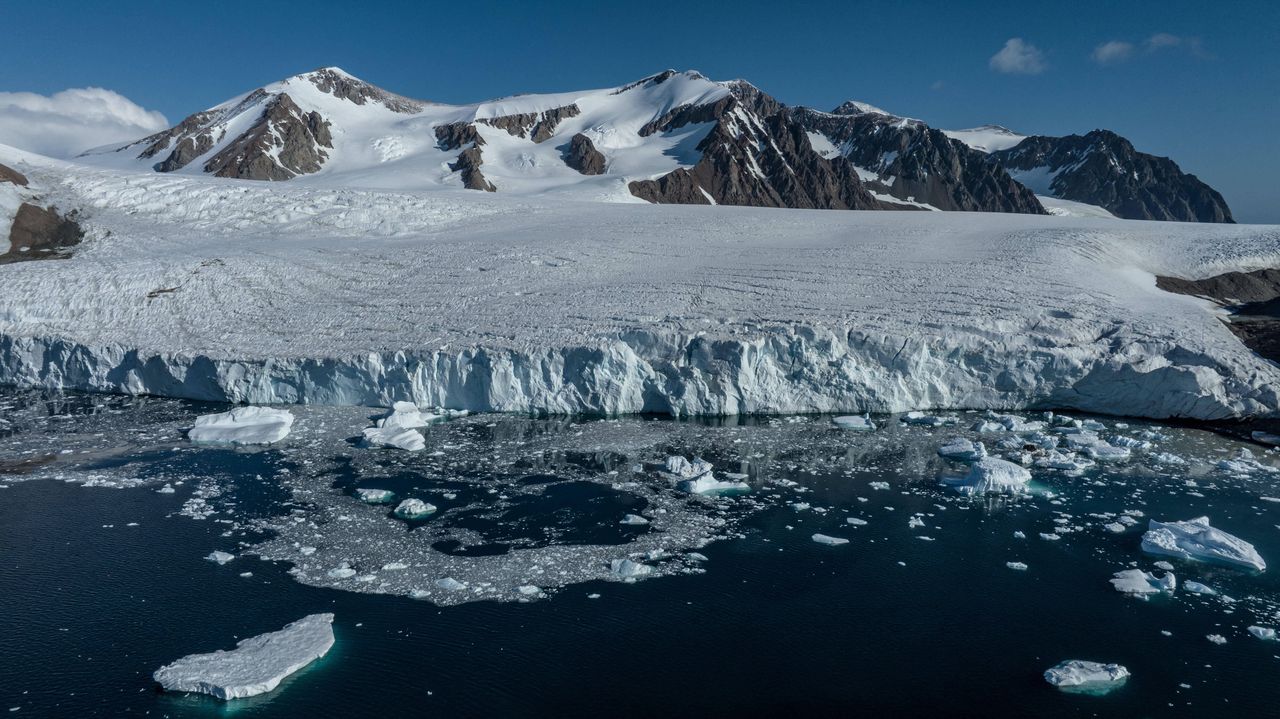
{"x":674,"y":137}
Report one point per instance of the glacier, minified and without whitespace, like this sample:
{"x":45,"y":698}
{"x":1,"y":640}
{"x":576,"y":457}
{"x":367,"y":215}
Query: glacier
{"x":262,"y":293}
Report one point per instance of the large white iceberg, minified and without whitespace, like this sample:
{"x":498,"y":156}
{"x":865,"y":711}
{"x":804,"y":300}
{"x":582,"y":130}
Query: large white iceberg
{"x":1081,"y":674}
{"x":243,"y":425}
{"x":256,"y":665}
{"x":992,"y":475}
{"x":1195,"y":539}
{"x":410,"y":440}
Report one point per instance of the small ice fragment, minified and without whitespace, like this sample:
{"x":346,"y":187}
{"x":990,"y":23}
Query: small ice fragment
{"x":633,"y":519}
{"x":1216,"y":638}
{"x":219,"y":557}
{"x":1198,"y":588}
{"x":855,"y":521}
{"x":1115,"y":527}
{"x":242,"y":425}
{"x":915,"y":522}
{"x":375,"y":496}
{"x":256,"y":665}
{"x":166,"y":489}
{"x":529,"y":590}
{"x":628,"y":569}
{"x":879,"y":485}
{"x":855,"y":423}
{"x":1019,"y":566}
{"x":414,"y":508}
{"x":1264,"y":633}
{"x":830,"y":541}
{"x":450,"y":584}
{"x":1137,"y":583}
{"x":342,"y":571}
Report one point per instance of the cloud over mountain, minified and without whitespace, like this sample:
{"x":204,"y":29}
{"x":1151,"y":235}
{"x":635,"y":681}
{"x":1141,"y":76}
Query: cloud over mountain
{"x":68,"y":122}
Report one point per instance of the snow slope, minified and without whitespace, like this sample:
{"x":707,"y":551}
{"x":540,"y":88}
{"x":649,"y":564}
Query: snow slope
{"x":294,"y":292}
{"x":378,"y":147}
{"x":987,"y":138}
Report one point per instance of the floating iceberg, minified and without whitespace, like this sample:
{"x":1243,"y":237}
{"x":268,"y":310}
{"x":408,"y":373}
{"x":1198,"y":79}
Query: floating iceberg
{"x":243,"y":425}
{"x":1137,"y":583}
{"x":1080,"y":674}
{"x":679,"y":467}
{"x":963,"y":450}
{"x":219,"y":557}
{"x":1016,"y":566}
{"x":991,"y":475}
{"x":633,"y":520}
{"x":256,"y":665}
{"x":1103,"y":452}
{"x":409,"y":440}
{"x":854,"y":422}
{"x":628,"y":569}
{"x":831,"y":541}
{"x":406,"y":415}
{"x":375,"y":496}
{"x":1264,"y":633}
{"x":926,"y":420}
{"x":1195,"y":539}
{"x":1054,"y":459}
{"x":1198,"y":588}
{"x":414,"y":508}
{"x":708,"y":484}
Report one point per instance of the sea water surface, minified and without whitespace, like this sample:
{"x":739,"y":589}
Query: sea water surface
{"x":103,"y":577}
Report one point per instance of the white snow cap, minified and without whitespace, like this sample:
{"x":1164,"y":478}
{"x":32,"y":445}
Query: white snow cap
{"x":243,"y":425}
{"x":256,"y":665}
{"x":1195,"y":539}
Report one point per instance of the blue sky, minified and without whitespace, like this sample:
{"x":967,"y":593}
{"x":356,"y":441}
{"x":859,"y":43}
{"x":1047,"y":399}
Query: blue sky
{"x":1205,"y":91}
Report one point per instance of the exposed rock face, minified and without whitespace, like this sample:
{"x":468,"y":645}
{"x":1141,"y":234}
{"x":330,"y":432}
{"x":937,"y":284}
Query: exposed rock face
{"x":536,"y":126}
{"x":343,"y":86}
{"x":10,"y":175}
{"x":453,"y":137}
{"x":911,"y":161}
{"x":285,"y":142}
{"x":583,"y":156}
{"x":1103,"y":168}
{"x":40,"y":233}
{"x":1254,"y":298}
{"x":749,"y":160}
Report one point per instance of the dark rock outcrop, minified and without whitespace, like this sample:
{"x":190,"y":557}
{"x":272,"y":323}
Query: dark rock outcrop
{"x":40,"y":233}
{"x":536,"y":126}
{"x":1102,"y":168}
{"x":285,"y":142}
{"x":341,"y":85}
{"x":754,"y":161}
{"x":12,"y":176}
{"x":1252,"y":297}
{"x":911,"y":161}
{"x":455,"y":136}
{"x":583,"y":156}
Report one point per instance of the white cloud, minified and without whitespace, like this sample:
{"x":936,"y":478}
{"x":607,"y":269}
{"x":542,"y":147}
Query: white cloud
{"x":1162,"y":40}
{"x":69,"y":122}
{"x":1018,"y":57}
{"x":1165,"y":41}
{"x":1110,"y":53}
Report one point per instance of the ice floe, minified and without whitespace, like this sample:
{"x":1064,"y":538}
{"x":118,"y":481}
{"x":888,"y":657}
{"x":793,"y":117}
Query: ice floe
{"x":1081,"y":674}
{"x":257,"y":664}
{"x":991,"y":475}
{"x":829,"y":540}
{"x":854,"y":422}
{"x":375,"y":496}
{"x":1137,"y":583}
{"x":242,"y":425}
{"x":220,"y":557}
{"x":414,"y":508}
{"x":1196,"y":539}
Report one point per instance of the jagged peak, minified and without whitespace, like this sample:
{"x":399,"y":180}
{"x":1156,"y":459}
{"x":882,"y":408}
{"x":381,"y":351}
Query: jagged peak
{"x":855,"y":107}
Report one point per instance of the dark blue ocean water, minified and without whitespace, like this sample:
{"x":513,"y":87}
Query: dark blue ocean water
{"x":889,"y":624}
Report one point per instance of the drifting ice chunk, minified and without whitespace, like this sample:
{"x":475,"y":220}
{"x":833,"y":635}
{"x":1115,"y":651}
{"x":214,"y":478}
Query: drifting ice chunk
{"x":1216,"y":638}
{"x":1198,"y":588}
{"x":406,"y":415}
{"x":375,"y":496}
{"x":1104,"y":452}
{"x":1195,"y":539}
{"x":1016,"y":566}
{"x":708,"y":484}
{"x":409,"y":440}
{"x":963,"y":450}
{"x":627,"y":569}
{"x":926,"y":420}
{"x":831,"y":541}
{"x":243,"y":425}
{"x":633,"y":519}
{"x":218,"y":557}
{"x":1137,"y":583}
{"x":679,"y":467}
{"x":1085,"y":675}
{"x":1057,"y":460}
{"x":256,"y":665}
{"x":987,"y":426}
{"x":414,"y":509}
{"x":450,"y":584}
{"x":990,"y":475}
{"x":1264,"y":633}
{"x":853,"y":422}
